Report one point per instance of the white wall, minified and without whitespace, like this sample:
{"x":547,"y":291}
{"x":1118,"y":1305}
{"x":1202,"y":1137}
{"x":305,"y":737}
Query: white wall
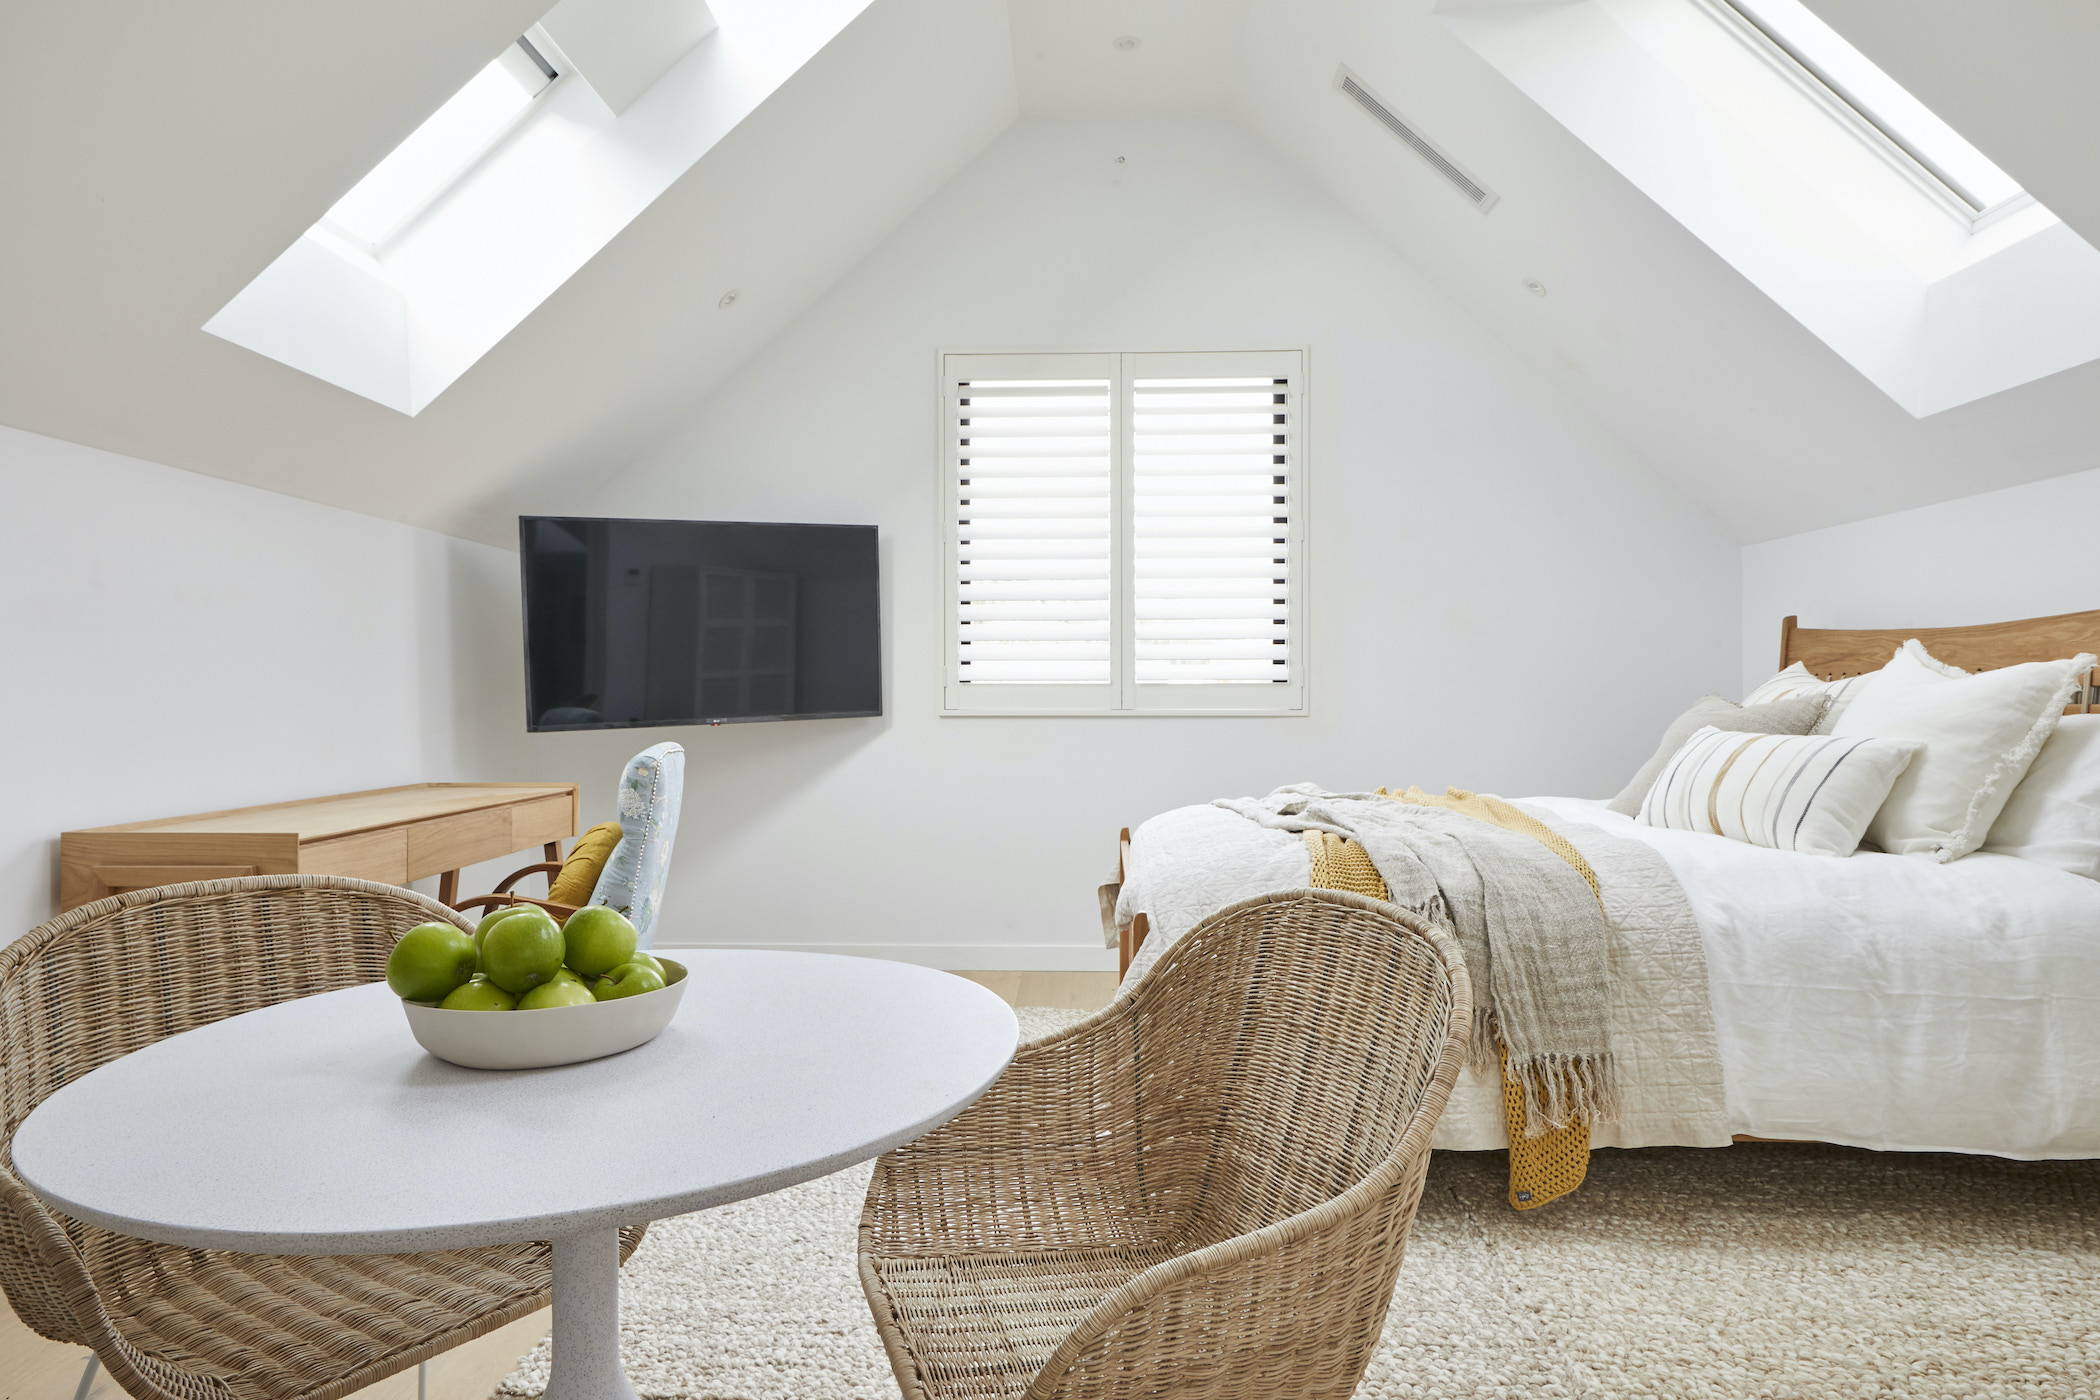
{"x":1502,"y":596}
{"x":2026,"y":551}
{"x":177,"y":643}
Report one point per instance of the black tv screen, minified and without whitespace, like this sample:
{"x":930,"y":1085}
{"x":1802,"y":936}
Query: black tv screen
{"x":647,"y":622}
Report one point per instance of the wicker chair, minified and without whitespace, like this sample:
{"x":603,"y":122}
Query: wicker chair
{"x":1201,"y":1191}
{"x":191,"y":1324}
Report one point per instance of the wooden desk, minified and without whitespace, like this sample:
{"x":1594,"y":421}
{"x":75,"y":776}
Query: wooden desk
{"x":393,"y":835}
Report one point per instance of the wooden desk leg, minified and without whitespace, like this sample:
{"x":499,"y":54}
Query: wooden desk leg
{"x":552,"y":850}
{"x":448,"y":887}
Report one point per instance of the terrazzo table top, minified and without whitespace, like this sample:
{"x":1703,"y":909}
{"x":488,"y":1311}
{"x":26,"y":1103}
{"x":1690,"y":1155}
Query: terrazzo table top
{"x":319,"y":1126}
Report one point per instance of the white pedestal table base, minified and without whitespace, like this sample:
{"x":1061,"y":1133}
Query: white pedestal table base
{"x":587,"y":1320}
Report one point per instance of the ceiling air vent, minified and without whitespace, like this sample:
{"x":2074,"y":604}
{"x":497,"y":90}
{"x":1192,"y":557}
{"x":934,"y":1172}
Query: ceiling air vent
{"x":1352,"y":87}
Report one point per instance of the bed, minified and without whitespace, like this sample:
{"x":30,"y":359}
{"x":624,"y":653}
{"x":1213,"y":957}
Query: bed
{"x":1877,"y":1001}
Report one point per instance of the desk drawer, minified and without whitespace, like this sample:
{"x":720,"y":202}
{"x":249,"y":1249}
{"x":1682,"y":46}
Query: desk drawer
{"x":366,"y":855}
{"x":447,"y":843}
{"x":541,"y":820}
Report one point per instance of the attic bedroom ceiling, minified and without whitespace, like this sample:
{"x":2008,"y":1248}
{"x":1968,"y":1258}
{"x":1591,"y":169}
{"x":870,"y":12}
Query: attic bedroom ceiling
{"x":179,"y":149}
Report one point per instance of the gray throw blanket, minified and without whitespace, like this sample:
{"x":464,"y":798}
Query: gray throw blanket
{"x":1531,"y":928}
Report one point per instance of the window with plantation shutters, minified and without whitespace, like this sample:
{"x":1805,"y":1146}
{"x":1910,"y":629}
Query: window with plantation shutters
{"x":1124,"y":533}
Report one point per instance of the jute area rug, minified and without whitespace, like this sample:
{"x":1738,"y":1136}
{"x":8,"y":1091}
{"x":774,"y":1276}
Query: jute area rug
{"x":1764,"y":1271}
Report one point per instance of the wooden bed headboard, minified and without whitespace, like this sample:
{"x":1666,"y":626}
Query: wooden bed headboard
{"x":1835,"y":652}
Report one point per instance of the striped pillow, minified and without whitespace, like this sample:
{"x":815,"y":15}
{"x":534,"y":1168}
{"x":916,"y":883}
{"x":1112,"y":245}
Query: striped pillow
{"x":1812,"y":793}
{"x":1797,"y":681}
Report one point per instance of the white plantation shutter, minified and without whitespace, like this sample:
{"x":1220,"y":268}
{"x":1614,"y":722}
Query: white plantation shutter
{"x":1212,"y":496}
{"x":1031,"y":530}
{"x":1123,"y":533}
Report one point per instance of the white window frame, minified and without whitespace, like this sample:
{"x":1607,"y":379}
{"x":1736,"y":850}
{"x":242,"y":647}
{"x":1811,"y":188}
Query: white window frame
{"x":1121,"y":695}
{"x":1857,"y":118}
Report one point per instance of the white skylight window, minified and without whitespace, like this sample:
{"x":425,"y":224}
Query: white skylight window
{"x":1877,"y":108}
{"x":1814,"y":175}
{"x":443,"y":148}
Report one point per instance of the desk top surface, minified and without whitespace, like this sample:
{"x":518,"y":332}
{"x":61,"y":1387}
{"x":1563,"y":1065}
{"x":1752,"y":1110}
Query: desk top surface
{"x":316,"y":818}
{"x":319,"y":1126}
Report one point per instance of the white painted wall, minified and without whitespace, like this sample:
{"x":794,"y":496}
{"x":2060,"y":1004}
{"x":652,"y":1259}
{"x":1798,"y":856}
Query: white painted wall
{"x":177,"y":643}
{"x":2026,"y":551}
{"x":1504,"y":596}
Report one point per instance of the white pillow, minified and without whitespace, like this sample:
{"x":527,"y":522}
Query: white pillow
{"x":1811,"y":793}
{"x":2053,"y":816}
{"x":1980,"y":732}
{"x":1797,"y":681}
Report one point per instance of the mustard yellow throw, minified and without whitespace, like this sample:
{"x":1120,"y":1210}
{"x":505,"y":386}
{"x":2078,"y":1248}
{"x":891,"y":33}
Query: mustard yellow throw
{"x":1542,"y":1167}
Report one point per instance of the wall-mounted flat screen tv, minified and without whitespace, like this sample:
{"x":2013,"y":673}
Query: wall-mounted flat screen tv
{"x":653,"y":622}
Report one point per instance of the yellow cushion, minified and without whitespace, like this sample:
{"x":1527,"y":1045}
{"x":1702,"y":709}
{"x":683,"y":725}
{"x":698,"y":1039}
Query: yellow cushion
{"x":579,"y":873}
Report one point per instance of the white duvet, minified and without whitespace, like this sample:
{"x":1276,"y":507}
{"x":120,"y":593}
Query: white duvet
{"x":1875,"y":1000}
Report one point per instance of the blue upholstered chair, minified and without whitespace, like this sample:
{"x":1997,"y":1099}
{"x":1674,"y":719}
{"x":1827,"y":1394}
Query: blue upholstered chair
{"x":651,"y":789}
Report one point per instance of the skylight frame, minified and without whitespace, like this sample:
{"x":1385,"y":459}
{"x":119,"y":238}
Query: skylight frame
{"x":530,"y":53}
{"x":1858,"y":117}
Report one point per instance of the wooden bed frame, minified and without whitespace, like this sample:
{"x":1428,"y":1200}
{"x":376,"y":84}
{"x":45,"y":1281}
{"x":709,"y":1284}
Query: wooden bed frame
{"x":1832,"y":653}
{"x":1836,"y":652}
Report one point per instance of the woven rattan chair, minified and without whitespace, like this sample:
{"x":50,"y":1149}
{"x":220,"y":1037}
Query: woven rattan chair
{"x":1201,"y":1191}
{"x":192,"y":1324}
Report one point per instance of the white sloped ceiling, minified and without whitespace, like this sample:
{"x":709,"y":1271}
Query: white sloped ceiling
{"x":160,"y":155}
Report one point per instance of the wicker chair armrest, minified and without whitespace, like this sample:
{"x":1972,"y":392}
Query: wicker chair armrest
{"x":1060,"y":1124}
{"x":50,"y":1298}
{"x":549,"y":868}
{"x":62,"y":1303}
{"x":1294,"y":1308}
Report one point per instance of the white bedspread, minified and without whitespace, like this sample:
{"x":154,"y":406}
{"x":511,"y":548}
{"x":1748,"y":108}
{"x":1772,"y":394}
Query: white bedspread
{"x":1879,"y":1001}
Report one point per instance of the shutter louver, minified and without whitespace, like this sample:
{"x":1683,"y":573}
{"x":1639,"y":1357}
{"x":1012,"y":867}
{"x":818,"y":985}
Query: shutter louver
{"x":1211,"y":558}
{"x":1033,"y":482}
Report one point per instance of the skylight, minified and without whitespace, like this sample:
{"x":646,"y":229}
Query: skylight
{"x":443,"y":148}
{"x":1877,"y":106}
{"x":1814,"y":175}
{"x":524,"y":175}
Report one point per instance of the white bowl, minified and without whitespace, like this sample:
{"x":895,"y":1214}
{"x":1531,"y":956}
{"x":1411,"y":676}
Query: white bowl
{"x":557,"y":1035}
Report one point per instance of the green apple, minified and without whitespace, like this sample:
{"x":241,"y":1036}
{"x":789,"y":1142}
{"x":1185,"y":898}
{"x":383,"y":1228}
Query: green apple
{"x":522,"y":951}
{"x":548,"y":995}
{"x":429,"y":961}
{"x":489,"y":920}
{"x":629,"y":979}
{"x":568,"y":974}
{"x":480,"y":994}
{"x":646,"y":961}
{"x":599,"y":939}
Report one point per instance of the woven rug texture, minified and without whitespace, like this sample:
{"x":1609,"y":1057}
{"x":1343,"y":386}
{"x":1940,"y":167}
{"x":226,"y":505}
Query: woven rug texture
{"x":1759,"y":1272}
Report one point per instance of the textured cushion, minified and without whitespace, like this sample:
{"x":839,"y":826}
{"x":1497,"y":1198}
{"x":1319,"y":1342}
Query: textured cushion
{"x":1980,"y":732}
{"x":586,"y":862}
{"x":1794,"y":716}
{"x":651,"y":791}
{"x":2053,"y":816}
{"x":1812,"y":793}
{"x":1797,"y":682}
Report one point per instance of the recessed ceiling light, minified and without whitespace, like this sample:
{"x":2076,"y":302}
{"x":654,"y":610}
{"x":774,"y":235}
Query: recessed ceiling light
{"x":1125,"y":42}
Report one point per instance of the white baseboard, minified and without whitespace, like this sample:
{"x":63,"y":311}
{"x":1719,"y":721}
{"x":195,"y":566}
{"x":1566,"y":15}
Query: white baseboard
{"x":958,"y":957}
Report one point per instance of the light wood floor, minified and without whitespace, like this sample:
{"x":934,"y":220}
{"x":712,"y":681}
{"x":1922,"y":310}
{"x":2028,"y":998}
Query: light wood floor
{"x":1071,"y":991}
{"x":34,"y":1369}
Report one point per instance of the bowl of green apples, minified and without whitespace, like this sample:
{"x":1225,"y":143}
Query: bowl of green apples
{"x":566,"y":992}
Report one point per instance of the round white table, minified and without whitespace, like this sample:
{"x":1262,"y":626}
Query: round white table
{"x":319,"y":1126}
